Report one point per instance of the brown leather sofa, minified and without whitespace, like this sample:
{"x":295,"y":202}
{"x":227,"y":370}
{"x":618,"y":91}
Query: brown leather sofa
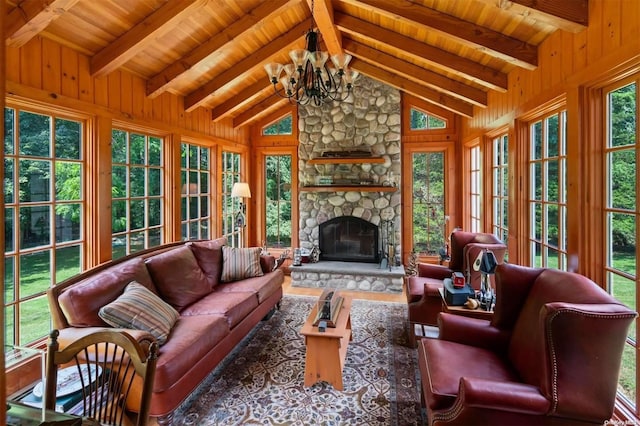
{"x":422,"y":291}
{"x":550,"y":355}
{"x":213,"y":315}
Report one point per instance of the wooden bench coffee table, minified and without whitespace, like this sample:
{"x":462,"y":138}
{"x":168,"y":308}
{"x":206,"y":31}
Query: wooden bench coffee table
{"x":326,"y":351}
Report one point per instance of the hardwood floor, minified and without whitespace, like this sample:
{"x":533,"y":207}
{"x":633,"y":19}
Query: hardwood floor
{"x":366,"y":295}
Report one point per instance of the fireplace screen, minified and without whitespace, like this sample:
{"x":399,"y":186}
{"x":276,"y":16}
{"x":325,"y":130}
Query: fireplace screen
{"x":349,"y":239}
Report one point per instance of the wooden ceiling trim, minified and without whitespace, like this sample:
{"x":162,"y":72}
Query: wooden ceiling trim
{"x":30,"y":17}
{"x":198,"y":96}
{"x":161,"y":82}
{"x":417,"y":73}
{"x":238,"y":99}
{"x":323,"y":16}
{"x":483,"y":75}
{"x":137,"y":38}
{"x":259,"y":110}
{"x":466,"y":33}
{"x":392,"y":79}
{"x":568,"y":15}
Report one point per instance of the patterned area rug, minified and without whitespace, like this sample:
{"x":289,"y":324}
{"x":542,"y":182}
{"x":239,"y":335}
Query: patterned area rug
{"x":262,"y":381}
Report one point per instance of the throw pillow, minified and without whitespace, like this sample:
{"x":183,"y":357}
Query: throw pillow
{"x":240,"y":263}
{"x":209,"y":257}
{"x":178,"y":277}
{"x":140,"y":309}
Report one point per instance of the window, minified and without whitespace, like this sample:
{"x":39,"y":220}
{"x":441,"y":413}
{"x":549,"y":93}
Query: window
{"x":195,"y":178}
{"x":230,"y":206}
{"x":621,"y":217}
{"x":278,"y":200}
{"x":429,"y":219}
{"x":547,"y":192}
{"x":423,"y":121}
{"x":475,"y":178}
{"x":284,"y":126}
{"x":44,"y":210}
{"x":137,"y":198}
{"x":500,"y":189}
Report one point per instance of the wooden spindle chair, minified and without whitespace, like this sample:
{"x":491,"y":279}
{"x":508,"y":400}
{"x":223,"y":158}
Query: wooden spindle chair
{"x":110,"y":366}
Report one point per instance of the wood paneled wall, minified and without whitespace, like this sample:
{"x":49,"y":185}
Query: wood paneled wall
{"x":570,"y":66}
{"x":563,"y":57}
{"x":63,"y":76}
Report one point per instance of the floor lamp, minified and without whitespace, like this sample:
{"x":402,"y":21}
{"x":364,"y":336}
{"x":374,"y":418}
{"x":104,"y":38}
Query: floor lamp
{"x":241,"y":190}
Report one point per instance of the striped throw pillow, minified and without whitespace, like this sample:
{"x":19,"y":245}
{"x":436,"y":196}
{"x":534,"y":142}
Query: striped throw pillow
{"x":240,"y":263}
{"x":138,"y":308}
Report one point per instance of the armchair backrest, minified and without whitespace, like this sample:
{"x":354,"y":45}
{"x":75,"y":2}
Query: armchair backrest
{"x":567,"y":337}
{"x":465,"y":248}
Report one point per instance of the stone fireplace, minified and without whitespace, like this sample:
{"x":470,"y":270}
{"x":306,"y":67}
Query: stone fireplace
{"x":349,"y":239}
{"x":362,"y":191}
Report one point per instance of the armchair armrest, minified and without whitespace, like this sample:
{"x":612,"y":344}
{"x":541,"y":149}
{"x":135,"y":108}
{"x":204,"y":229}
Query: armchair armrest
{"x":439,"y":272}
{"x":473,"y":332}
{"x":502,"y":396}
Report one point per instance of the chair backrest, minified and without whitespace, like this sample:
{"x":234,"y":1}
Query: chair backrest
{"x":109,"y":365}
{"x":567,"y":338}
{"x":465,"y":247}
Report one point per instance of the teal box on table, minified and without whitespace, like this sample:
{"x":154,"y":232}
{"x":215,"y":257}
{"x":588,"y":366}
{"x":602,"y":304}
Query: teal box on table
{"x":456,"y":296}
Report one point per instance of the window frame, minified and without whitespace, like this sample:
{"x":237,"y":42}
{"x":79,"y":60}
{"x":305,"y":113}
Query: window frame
{"x":544,"y":202}
{"x":13,"y":305}
{"x":161,"y":197}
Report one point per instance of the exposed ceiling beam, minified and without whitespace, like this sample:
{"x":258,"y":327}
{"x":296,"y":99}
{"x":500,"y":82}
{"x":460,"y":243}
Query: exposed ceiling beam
{"x":568,"y":15}
{"x":30,"y":17}
{"x":199,"y":56}
{"x":259,"y":110}
{"x":483,"y":75}
{"x":195,"y":98}
{"x":417,"y":73}
{"x":323,"y":15}
{"x":430,"y":95}
{"x":467,"y":33}
{"x":220,"y":111}
{"x":137,"y":38}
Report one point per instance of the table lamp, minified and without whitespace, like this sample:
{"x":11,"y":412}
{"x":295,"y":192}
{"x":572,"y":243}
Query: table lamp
{"x":488,"y":265}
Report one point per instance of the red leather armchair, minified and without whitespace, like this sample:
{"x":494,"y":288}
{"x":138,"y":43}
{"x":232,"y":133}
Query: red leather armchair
{"x":422,"y":291}
{"x":550,"y":355}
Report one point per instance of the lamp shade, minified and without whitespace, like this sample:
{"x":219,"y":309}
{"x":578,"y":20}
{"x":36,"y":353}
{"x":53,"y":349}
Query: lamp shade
{"x":488,"y":263}
{"x":241,"y":189}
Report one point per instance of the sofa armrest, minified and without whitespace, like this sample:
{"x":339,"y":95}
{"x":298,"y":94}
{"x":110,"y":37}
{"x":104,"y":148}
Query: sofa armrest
{"x":473,"y":332}
{"x":502,"y":396}
{"x":429,"y":270}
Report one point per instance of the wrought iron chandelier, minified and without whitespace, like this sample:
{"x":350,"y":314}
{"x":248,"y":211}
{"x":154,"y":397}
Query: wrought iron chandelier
{"x":309,"y":79}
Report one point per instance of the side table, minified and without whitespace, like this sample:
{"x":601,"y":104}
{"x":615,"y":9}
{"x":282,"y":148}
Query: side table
{"x":463,"y":310}
{"x":24,"y":415}
{"x":327,"y":350}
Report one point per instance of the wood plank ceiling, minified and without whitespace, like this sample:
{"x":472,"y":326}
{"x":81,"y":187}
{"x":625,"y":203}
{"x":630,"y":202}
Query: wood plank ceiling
{"x":211,"y":52}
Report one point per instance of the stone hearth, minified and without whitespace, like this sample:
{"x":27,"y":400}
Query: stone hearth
{"x":348,"y":276}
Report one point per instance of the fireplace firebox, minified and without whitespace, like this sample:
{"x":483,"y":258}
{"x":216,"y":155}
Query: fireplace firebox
{"x":349,"y":239}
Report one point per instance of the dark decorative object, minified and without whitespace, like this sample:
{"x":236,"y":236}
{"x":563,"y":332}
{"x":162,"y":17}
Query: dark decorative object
{"x":329,"y":304}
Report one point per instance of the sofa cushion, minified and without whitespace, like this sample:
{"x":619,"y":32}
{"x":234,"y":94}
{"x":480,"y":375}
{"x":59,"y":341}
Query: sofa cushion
{"x":443,"y":379}
{"x":140,"y":309}
{"x":262,"y":287}
{"x":81,"y":302}
{"x":234,"y":306}
{"x":178,"y":277}
{"x":192,"y":339}
{"x":240,"y":263}
{"x":209,"y":257}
